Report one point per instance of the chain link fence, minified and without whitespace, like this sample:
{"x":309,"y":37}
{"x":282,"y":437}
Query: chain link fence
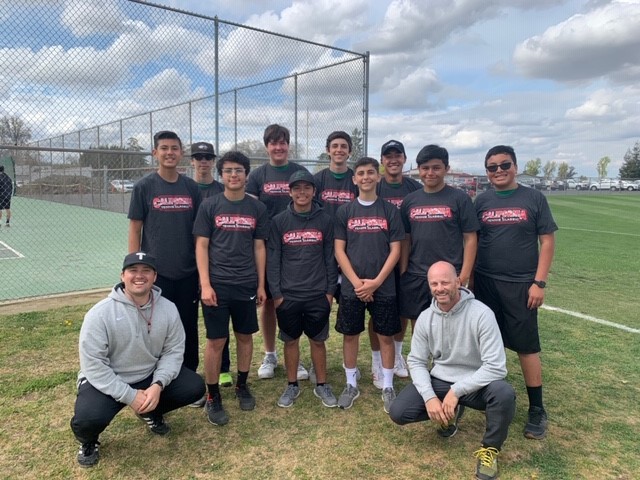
{"x":86,"y":84}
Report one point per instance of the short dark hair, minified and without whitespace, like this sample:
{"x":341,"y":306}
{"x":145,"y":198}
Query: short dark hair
{"x":340,"y":134}
{"x":275,"y":133}
{"x":235,"y":157}
{"x":431,"y":152}
{"x":498,"y":149}
{"x":165,"y":135}
{"x":361,"y":162}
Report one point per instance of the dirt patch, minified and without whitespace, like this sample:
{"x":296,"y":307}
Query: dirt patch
{"x":49,"y":302}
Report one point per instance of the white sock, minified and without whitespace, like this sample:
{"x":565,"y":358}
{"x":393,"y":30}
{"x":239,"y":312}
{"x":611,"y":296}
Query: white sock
{"x":376,"y":359}
{"x":273,"y":354}
{"x":387,"y":380}
{"x":351,"y":376}
{"x":398,"y":346}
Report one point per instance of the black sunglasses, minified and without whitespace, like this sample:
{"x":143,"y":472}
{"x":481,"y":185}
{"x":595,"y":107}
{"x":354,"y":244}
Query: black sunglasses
{"x":203,"y":157}
{"x":502,"y":166}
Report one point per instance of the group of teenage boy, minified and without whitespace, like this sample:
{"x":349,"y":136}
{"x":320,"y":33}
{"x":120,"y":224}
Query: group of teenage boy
{"x":292,"y":242}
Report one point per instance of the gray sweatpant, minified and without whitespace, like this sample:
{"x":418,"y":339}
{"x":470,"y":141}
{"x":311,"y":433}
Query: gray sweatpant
{"x":498,"y":400}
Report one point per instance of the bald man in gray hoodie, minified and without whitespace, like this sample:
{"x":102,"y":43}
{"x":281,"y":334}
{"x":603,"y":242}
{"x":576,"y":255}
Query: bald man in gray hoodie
{"x":469,"y":368}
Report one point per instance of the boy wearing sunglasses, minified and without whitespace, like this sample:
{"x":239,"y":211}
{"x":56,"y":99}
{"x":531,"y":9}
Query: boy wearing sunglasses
{"x":515,"y":250}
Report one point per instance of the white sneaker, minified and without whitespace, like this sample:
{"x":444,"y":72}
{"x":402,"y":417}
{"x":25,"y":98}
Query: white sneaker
{"x":400,"y":367}
{"x":268,"y":367}
{"x":302,"y":372}
{"x":378,"y":378}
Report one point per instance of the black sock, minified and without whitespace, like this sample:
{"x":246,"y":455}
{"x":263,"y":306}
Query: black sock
{"x":242,"y":378}
{"x":535,"y":396}
{"x":213,"y":389}
{"x":295,"y":384}
{"x":319,"y":384}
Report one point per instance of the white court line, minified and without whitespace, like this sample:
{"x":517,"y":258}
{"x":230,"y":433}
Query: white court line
{"x":591,"y":319}
{"x":601,"y":231}
{"x":15,"y":252}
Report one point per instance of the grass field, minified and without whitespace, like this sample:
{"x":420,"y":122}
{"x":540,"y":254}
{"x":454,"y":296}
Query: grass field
{"x":592,"y":386}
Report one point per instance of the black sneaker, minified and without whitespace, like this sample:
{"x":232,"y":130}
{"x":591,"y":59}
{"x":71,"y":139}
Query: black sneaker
{"x":536,"y":427}
{"x":156,"y":424}
{"x":215,"y":411}
{"x":451,"y":429}
{"x":245,"y":399}
{"x":89,"y":454}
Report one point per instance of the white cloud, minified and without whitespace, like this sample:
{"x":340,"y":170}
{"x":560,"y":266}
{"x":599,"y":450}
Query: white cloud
{"x":409,"y":88}
{"x":600,"y":105}
{"x":166,"y":88}
{"x":89,"y":17}
{"x":604,"y":42}
{"x":322,"y":21}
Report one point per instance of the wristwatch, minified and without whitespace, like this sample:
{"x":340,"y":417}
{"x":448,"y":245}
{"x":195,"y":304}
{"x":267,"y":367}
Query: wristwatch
{"x":540,"y":283}
{"x":158,"y":382}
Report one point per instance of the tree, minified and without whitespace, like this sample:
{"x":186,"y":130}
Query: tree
{"x":252,"y":148}
{"x":563,"y":169}
{"x":126,"y":166}
{"x":631,"y":166}
{"x":357,"y":150}
{"x":532,"y":167}
{"x":603,"y":165}
{"x":323,"y":162}
{"x":549,"y":169}
{"x":14,"y":131}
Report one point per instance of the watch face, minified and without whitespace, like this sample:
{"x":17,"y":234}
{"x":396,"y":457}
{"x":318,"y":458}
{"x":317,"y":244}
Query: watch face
{"x":540,"y":283}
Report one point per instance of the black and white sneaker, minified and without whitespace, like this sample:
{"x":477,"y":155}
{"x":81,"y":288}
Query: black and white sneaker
{"x":156,"y":424}
{"x":89,"y":454}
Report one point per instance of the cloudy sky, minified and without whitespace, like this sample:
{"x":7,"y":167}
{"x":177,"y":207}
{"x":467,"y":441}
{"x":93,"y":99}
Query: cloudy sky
{"x":557,"y":79}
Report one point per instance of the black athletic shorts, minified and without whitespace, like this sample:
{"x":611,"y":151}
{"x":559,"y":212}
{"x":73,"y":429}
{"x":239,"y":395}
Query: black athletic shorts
{"x":383,"y":311}
{"x":508,"y":300}
{"x":237,"y":302}
{"x":415,"y":296}
{"x":310,"y":317}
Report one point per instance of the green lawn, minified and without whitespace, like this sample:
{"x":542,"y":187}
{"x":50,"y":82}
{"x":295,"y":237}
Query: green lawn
{"x":592,"y":386}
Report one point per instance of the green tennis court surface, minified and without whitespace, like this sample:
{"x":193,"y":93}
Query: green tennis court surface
{"x":56,"y":248}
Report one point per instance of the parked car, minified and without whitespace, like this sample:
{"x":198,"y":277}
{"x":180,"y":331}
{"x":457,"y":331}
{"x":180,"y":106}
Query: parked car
{"x":605,"y":184}
{"x":121,"y":186}
{"x":627,"y":185}
{"x":558,"y":185}
{"x":532,"y":183}
{"x":577,"y":185}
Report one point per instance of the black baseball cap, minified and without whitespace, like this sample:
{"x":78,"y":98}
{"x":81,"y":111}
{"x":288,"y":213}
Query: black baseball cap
{"x":202,"y":148}
{"x":301,"y":176}
{"x":392,"y":145}
{"x":137,"y":258}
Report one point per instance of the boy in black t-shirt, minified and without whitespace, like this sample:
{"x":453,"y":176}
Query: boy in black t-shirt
{"x":202,"y":160}
{"x":441,"y":225}
{"x":161,"y":214}
{"x":230,"y":230}
{"x":515,"y":250}
{"x":368,"y":232}
{"x":334,"y":184}
{"x":302,"y":276}
{"x":269,"y":183}
{"x":393,"y":187}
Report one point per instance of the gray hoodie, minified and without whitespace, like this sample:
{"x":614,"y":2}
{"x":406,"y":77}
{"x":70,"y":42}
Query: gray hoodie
{"x":117,"y":348}
{"x":465,"y":343}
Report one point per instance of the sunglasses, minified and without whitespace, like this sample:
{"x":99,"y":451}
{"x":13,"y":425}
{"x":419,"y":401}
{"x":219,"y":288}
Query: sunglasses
{"x":503,"y":166}
{"x":203,"y":157}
